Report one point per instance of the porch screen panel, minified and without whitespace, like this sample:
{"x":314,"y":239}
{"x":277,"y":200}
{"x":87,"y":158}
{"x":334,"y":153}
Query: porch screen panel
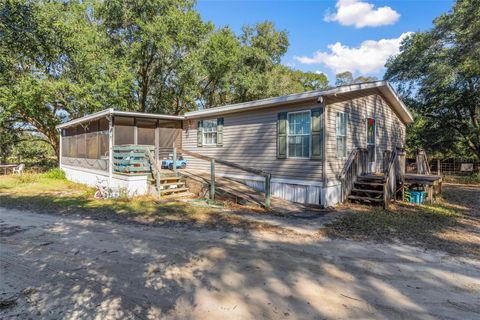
{"x":83,"y":146}
{"x":103,"y":143}
{"x":72,"y":147}
{"x":124,"y":130}
{"x":81,"y":142}
{"x":146,"y":131}
{"x":91,"y":138}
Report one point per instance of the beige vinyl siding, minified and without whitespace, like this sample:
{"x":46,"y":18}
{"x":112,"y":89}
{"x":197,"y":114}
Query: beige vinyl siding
{"x":390,"y":131}
{"x":250,"y":139}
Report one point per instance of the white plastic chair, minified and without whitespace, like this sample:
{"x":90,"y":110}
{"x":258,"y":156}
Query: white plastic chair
{"x":19,"y":169}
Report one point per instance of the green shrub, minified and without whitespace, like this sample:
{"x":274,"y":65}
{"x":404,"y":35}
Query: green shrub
{"x":55,"y":173}
{"x":27,"y":177}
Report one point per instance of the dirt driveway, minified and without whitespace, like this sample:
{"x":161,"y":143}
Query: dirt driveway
{"x":55,"y":267}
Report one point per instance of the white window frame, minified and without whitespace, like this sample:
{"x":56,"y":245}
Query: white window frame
{"x":374,"y":136}
{"x":310,"y":134}
{"x":337,"y":135}
{"x":204,"y":133}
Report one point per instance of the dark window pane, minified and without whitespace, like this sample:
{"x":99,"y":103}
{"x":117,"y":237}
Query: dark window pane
{"x":371,"y":131}
{"x":92,"y":126}
{"x":146,"y":123}
{"x":124,"y":121}
{"x":124,"y":135}
{"x":102,"y":124}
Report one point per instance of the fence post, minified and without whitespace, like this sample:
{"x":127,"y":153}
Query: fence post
{"x":438,"y":167}
{"x":212,"y":179}
{"x":157,"y":182}
{"x":174,"y":159}
{"x":268,"y":178}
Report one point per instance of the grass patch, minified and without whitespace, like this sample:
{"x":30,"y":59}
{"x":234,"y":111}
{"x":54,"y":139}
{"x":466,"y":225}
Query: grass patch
{"x":55,"y":173}
{"x":404,"y":221}
{"x":49,"y":193}
{"x":451,"y":225}
{"x":467,"y":179}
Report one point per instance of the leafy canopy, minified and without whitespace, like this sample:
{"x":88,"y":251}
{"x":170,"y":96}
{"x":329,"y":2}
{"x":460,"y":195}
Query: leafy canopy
{"x":440,"y":71}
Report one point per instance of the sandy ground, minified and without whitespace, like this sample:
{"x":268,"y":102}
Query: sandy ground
{"x":60,"y":267}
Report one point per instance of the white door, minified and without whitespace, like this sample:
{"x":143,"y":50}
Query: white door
{"x":371,"y":127}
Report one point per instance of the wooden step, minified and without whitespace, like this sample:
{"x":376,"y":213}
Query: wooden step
{"x":367,"y":191}
{"x":173,"y":190}
{"x":169,"y":178}
{"x":373,"y":184}
{"x":351,"y":197}
{"x":172,"y":184}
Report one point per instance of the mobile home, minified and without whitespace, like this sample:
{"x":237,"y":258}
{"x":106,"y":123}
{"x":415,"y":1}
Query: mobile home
{"x":303,"y":140}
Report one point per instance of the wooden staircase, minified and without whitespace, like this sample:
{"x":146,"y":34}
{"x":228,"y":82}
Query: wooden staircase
{"x":357,"y":185}
{"x":368,"y":189}
{"x":172,"y":184}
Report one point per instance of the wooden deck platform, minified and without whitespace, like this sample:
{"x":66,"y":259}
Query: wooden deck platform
{"x":432,"y":184}
{"x":411,"y":178}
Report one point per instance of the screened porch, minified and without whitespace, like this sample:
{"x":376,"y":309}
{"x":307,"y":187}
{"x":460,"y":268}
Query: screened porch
{"x":87,"y":142}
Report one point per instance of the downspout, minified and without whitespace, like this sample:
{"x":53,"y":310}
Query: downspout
{"x":60,"y":150}
{"x":110,"y":147}
{"x":324,"y":151}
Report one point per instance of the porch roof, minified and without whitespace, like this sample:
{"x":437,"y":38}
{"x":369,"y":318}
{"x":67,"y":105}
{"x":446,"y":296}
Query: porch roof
{"x":112,"y":112}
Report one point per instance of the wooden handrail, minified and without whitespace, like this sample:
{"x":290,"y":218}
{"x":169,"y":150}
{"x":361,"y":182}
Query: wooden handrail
{"x":354,"y":167}
{"x":348,"y":164}
{"x":224,"y":162}
{"x":267,"y":175}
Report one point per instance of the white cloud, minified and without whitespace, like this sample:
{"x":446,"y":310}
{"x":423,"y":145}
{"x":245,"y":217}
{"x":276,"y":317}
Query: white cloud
{"x":368,"y":58}
{"x":362,"y":14}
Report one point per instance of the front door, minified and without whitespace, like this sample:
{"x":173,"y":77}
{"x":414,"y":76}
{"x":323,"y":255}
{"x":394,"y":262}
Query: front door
{"x":371,"y":144}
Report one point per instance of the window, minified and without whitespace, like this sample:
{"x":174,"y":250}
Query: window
{"x":341,"y":133}
{"x":210,"y":132}
{"x":370,"y":131}
{"x":299,"y":129}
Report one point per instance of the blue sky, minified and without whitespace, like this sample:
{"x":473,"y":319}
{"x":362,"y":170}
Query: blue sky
{"x":329,"y":36}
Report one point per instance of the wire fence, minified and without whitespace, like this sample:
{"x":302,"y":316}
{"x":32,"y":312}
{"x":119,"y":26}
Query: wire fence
{"x":463,"y":167}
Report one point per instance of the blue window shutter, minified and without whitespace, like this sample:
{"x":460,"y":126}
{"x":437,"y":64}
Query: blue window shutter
{"x":199,"y":133}
{"x":282,"y":135}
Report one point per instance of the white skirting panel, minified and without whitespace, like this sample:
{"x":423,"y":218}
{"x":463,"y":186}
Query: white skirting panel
{"x":301,"y":193}
{"x":135,"y":185}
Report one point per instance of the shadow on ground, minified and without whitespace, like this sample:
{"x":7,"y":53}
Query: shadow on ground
{"x":65,"y":267}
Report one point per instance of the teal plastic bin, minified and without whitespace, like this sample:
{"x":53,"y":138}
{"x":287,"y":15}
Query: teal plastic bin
{"x":417,"y":197}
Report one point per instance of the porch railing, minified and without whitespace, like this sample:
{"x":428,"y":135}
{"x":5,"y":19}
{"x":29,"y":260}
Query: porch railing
{"x":131,"y":159}
{"x":394,"y":175}
{"x":355,"y":166}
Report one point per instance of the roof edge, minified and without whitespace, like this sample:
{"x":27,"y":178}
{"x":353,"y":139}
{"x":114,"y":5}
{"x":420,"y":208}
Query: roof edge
{"x":297,"y":97}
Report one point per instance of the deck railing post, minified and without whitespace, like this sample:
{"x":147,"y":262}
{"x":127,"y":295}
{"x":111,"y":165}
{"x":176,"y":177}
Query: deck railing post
{"x":212,"y":179}
{"x":174,"y":159}
{"x":268,"y":181}
{"x":157,"y":182}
